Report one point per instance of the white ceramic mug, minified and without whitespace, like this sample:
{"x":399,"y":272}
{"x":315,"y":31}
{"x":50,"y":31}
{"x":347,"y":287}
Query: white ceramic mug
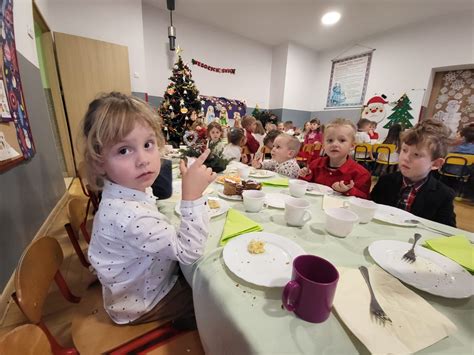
{"x":253,"y":200}
{"x":340,"y":221}
{"x":298,"y":187}
{"x":364,"y":209}
{"x":244,"y":172}
{"x":297,"y":211}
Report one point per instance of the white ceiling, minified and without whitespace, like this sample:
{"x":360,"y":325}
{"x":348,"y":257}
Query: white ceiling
{"x":273,"y":22}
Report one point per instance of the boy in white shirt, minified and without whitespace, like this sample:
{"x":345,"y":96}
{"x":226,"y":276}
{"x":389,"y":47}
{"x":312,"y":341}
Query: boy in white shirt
{"x":134,"y":249}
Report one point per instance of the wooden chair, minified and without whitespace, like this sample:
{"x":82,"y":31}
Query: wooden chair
{"x":459,"y":167}
{"x":27,"y":339}
{"x":92,"y":330}
{"x":92,"y":196}
{"x":265,"y":151}
{"x":77,"y":224}
{"x":305,"y":153}
{"x":386,"y":150}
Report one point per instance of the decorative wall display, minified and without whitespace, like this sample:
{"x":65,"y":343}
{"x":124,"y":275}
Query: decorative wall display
{"x":214,"y":69}
{"x":348,"y":82}
{"x":223,"y":110}
{"x":454,"y":99}
{"x":12,"y":104}
{"x":402,"y":107}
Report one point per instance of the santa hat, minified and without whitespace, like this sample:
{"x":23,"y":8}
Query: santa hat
{"x":377,"y":100}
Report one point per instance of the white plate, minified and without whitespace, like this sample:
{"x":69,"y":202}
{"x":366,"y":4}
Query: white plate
{"x":230,"y":197}
{"x":318,"y":189}
{"x":275,"y":199}
{"x":258,"y":173}
{"x":394,"y":215}
{"x":431,"y":272}
{"x":272,"y":268}
{"x":213,"y":212}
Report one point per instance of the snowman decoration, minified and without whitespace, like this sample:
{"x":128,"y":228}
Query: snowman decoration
{"x":376,"y":109}
{"x":451,"y":117}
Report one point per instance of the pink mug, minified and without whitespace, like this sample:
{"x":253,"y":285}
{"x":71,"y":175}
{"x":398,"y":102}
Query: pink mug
{"x":310,"y":292}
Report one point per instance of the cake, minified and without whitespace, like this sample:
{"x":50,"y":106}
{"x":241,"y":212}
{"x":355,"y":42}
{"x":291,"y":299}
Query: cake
{"x":235,"y":188}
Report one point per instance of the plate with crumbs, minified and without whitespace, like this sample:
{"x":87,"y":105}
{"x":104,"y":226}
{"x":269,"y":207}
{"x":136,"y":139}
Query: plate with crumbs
{"x":431,"y":272}
{"x":259,"y":173}
{"x":215,"y":207}
{"x":270,"y":268}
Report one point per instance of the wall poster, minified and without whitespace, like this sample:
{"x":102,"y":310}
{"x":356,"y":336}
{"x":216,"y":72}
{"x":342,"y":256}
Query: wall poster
{"x":348,"y":82}
{"x":16,"y":141}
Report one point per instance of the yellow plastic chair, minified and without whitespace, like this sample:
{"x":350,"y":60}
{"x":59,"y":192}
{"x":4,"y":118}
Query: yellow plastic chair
{"x":459,"y":167}
{"x":363,"y":152}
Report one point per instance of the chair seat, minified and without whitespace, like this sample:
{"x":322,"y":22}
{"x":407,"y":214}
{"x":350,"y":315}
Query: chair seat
{"x":92,"y":330}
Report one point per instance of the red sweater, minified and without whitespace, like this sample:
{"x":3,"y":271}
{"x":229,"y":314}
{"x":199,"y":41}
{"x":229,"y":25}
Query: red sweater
{"x":252,"y":143}
{"x":350,"y":170}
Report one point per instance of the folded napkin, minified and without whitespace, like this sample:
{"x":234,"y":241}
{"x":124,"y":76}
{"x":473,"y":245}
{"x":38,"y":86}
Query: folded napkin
{"x":276,"y":182}
{"x":332,"y":202}
{"x":458,"y":248}
{"x":236,"y":224}
{"x":415,"y":323}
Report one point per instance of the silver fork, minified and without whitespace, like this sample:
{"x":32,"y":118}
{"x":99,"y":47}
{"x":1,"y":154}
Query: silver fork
{"x":375,"y":308}
{"x":410,"y":256}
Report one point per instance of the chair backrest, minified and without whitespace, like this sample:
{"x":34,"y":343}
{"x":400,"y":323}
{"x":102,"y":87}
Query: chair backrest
{"x":384,"y":148}
{"x":34,"y":274}
{"x":28,"y":339}
{"x":459,"y":159}
{"x":363,"y":148}
{"x":76,"y":213}
{"x":265,"y":150}
{"x":317,"y":146}
{"x":307,"y":148}
{"x":81,"y":174}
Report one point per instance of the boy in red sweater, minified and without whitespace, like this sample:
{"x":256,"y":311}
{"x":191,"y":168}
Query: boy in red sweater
{"x":337,"y":169}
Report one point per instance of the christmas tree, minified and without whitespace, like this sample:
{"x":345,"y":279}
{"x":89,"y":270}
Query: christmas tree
{"x":400,"y":113}
{"x":264,"y":116}
{"x":181,"y":104}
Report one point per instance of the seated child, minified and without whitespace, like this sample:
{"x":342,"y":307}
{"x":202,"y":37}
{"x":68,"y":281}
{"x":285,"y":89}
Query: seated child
{"x":214,"y":136}
{"x":336,"y":169}
{"x":372,"y":133}
{"x":249,"y":123}
{"x":259,"y":133}
{"x":413,"y":188}
{"x":285,"y":148}
{"x":288,"y":128}
{"x":268,"y":143}
{"x":233,"y":150}
{"x":314,"y":135}
{"x":393,"y":137}
{"x":134,"y":249}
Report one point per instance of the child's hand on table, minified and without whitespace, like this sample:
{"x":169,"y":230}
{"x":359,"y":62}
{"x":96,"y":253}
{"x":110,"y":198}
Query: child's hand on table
{"x":196,"y":178}
{"x":304,"y":172}
{"x":341,"y":187}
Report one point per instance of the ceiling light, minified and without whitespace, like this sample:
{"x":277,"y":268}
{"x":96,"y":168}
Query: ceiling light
{"x":330,"y":18}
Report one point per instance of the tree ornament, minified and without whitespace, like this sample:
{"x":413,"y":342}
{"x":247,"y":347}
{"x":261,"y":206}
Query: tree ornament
{"x":170,"y":91}
{"x":184,"y":110}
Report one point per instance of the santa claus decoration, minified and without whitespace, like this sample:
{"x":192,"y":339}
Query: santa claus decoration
{"x":376,"y":109}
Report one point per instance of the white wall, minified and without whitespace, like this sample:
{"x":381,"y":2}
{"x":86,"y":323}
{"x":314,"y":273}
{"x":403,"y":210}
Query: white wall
{"x":300,"y":78}
{"x":115,"y":21}
{"x":404,"y":58}
{"x":212,"y":46}
{"x":277,"y":83}
{"x":22,"y":20}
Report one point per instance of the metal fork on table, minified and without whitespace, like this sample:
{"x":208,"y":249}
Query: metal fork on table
{"x":375,"y":307}
{"x":410,"y":256}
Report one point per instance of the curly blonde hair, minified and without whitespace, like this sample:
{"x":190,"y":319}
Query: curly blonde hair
{"x":108,"y":120}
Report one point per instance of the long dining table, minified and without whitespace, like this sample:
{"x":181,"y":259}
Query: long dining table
{"x":237,"y":317}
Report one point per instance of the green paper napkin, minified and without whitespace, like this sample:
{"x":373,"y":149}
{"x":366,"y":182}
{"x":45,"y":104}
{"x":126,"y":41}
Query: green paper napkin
{"x":458,"y":248}
{"x":236,"y":224}
{"x":276,"y":182}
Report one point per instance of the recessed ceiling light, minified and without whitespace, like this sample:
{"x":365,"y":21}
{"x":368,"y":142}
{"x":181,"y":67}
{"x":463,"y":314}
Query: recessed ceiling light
{"x":330,"y":18}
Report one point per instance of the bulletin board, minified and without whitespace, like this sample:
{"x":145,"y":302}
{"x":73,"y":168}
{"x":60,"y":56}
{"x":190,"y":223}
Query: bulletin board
{"x":16,"y":141}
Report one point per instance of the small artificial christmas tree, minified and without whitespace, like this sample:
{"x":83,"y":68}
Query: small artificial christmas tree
{"x":181,"y":104}
{"x":400,"y":113}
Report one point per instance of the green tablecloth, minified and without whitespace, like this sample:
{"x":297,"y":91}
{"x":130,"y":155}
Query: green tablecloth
{"x":236,"y":317}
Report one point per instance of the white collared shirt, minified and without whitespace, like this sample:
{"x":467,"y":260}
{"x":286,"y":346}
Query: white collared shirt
{"x":134,"y":249}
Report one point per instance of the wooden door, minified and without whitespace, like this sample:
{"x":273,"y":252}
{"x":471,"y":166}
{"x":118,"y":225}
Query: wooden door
{"x":87,"y":68}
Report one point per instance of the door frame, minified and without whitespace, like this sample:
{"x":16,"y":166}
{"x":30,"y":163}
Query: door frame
{"x":56,"y":91}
